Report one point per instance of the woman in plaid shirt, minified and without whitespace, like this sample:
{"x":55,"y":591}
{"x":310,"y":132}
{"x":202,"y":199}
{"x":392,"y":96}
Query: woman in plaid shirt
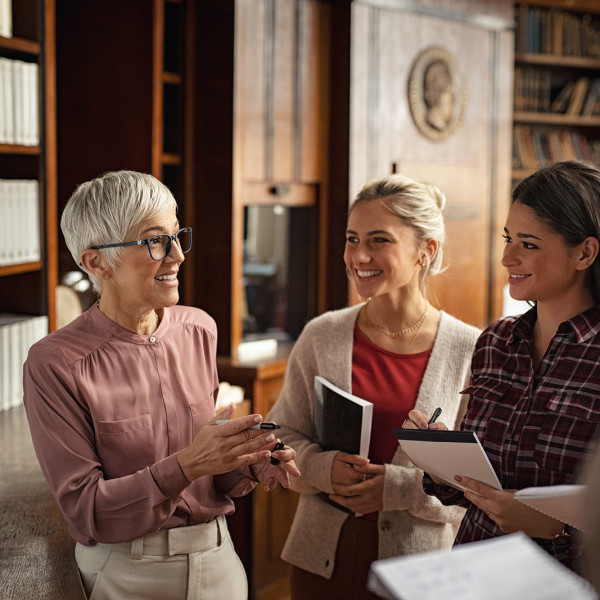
{"x":535,"y":378}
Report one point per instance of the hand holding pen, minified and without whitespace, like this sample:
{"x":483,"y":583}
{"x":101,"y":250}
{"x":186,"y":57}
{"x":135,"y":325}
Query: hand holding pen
{"x":268,"y":426}
{"x":417,"y":420}
{"x":235,"y":444}
{"x":278,"y":446}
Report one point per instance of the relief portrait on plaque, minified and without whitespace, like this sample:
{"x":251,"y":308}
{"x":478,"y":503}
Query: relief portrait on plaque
{"x":437,"y":94}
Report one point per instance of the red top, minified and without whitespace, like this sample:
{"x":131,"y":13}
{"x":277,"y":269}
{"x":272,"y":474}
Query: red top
{"x":391,"y":382}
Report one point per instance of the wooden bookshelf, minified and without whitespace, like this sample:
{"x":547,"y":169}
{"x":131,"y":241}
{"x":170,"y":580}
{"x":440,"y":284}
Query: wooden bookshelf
{"x":29,"y":288}
{"x":557,"y":84}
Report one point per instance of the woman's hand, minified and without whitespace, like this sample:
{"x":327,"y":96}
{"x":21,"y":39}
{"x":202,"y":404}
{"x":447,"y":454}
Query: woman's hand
{"x":286,"y":467}
{"x":357,"y":484}
{"x":223,"y":448}
{"x":508,"y":513}
{"x":417,"y":420}
{"x":342,"y":468}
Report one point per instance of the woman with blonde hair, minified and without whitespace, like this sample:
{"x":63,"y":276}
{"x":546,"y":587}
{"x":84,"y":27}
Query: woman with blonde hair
{"x":397,"y":351}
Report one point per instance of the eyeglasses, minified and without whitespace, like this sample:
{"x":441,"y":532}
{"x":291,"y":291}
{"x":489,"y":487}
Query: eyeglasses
{"x":159,"y":246}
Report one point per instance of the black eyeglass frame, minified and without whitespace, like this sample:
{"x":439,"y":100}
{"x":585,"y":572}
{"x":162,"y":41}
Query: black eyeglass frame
{"x":173,"y":237}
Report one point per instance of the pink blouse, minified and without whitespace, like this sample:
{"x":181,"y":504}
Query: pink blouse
{"x":108,"y":409}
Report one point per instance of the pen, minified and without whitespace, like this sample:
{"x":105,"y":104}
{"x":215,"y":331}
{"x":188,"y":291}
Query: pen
{"x":278,"y":446}
{"x":436,"y":413}
{"x":257,"y":426}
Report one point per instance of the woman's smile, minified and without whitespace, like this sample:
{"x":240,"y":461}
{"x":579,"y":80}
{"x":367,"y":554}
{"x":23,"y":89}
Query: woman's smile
{"x":365,"y":274}
{"x":168,"y":279}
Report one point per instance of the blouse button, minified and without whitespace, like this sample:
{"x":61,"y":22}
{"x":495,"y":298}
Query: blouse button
{"x":153,"y":339}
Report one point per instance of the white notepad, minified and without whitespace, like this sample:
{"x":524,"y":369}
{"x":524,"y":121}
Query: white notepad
{"x":444,"y":454}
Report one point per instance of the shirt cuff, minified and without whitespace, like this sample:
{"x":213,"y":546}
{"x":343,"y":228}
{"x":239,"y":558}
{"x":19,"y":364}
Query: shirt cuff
{"x":169,"y":477}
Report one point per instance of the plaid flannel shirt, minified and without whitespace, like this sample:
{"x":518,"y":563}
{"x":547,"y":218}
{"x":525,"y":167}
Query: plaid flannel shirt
{"x":535,"y":426}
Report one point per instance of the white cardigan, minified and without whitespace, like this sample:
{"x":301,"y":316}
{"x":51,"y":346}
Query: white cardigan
{"x":410,"y":521}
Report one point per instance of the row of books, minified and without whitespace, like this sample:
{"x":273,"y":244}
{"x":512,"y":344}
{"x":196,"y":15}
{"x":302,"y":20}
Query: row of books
{"x":20,"y":223}
{"x":534,"y":148}
{"x":17,"y":334}
{"x":19,"y":102}
{"x":551,"y":31}
{"x":535,"y":91}
{"x":6,"y":25}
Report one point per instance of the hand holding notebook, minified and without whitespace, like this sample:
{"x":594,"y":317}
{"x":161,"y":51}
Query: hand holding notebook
{"x":445,"y":454}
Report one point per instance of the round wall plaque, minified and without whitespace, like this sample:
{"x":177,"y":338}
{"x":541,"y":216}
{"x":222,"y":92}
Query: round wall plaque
{"x":437,"y":94}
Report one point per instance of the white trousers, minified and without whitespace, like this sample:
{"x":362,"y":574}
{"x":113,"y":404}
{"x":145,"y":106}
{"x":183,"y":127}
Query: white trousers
{"x":186,"y":563}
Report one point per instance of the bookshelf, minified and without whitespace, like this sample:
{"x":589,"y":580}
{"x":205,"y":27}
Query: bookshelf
{"x":556,"y":84}
{"x":28,"y":246}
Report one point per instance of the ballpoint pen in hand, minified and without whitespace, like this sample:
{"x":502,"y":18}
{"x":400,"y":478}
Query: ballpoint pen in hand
{"x":257,"y":426}
{"x":436,"y":413}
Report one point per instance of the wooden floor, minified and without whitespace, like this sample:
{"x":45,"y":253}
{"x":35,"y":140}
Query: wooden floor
{"x":36,"y":550}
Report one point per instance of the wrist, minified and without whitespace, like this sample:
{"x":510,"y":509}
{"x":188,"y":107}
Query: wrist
{"x":184,"y":465}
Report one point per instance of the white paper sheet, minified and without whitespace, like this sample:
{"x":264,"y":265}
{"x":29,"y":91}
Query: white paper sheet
{"x":562,"y":502}
{"x":511,"y":566}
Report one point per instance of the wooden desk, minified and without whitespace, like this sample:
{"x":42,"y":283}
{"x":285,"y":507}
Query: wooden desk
{"x":36,"y":550}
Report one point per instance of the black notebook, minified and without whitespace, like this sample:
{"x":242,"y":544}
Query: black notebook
{"x":342,"y":421}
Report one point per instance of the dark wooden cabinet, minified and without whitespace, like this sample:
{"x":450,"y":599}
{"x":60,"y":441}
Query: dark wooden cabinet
{"x":121,"y":105}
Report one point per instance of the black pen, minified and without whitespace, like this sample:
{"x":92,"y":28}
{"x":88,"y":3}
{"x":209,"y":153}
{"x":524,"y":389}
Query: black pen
{"x":257,"y":426}
{"x":436,"y":413}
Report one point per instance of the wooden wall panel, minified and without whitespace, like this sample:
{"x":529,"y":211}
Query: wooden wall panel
{"x":502,"y":185}
{"x":361,"y":87}
{"x":313,"y":93}
{"x":281,"y":124}
{"x":250,"y":82}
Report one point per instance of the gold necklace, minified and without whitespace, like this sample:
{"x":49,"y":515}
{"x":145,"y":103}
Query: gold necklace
{"x":394,"y":334}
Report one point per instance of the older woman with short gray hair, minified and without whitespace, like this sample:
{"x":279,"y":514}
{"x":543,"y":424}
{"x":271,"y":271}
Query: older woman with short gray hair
{"x":121,"y":407}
